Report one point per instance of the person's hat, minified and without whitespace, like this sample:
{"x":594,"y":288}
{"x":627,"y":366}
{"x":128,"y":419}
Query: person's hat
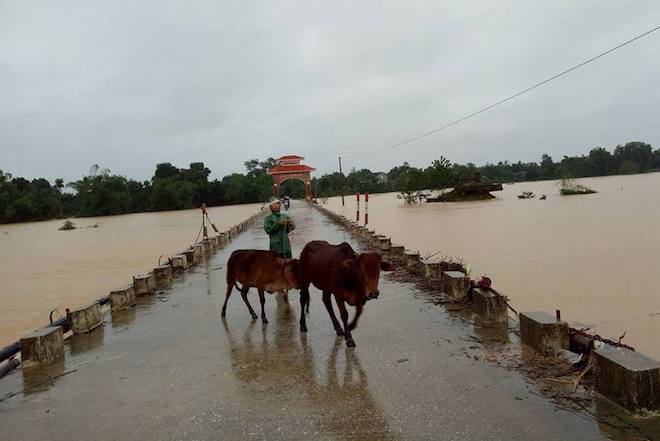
{"x":273,"y":200}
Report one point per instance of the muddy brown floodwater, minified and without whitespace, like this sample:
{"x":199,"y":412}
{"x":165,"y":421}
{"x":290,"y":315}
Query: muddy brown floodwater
{"x":594,"y":257}
{"x":42,"y":268}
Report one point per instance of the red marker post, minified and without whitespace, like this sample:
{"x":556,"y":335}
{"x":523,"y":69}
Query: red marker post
{"x":366,"y":208}
{"x":357,"y":211}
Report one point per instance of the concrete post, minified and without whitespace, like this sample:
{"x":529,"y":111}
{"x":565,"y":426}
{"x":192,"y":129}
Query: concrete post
{"x":42,"y":347}
{"x":144,"y":284}
{"x":628,"y":378}
{"x":397,"y":252}
{"x":413,"y":261}
{"x":384,"y":244}
{"x":179,"y":264}
{"x":190,"y":257}
{"x":198,"y":253}
{"x":455,"y":285}
{"x":86,"y":318}
{"x":432,"y":270}
{"x":543,"y":333}
{"x":163,"y":276}
{"x":122,"y":298}
{"x":490,"y":307}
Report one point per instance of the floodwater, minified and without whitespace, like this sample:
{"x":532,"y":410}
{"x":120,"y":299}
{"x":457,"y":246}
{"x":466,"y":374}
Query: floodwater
{"x":595,"y":257}
{"x":172,"y":369}
{"x":42,"y":268}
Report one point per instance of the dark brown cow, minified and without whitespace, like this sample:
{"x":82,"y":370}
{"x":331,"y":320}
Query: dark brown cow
{"x":260,"y":269}
{"x":336,"y":269}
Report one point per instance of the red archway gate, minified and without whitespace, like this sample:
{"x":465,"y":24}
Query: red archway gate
{"x":289,"y":167}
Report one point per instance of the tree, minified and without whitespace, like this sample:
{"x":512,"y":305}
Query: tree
{"x":548,"y":168}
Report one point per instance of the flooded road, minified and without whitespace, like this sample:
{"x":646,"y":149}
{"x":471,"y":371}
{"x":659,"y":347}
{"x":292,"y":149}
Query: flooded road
{"x":171,"y":369}
{"x":594,"y":257}
{"x":43,"y":268}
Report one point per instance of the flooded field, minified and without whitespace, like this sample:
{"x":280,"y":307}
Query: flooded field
{"x":43,"y":268}
{"x":594,"y":257}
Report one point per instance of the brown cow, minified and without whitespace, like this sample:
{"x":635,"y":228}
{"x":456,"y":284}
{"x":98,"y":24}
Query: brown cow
{"x":338,"y":270}
{"x":260,"y":269}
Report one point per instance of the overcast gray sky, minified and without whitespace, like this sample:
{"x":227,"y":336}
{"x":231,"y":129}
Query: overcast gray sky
{"x":127,"y":84}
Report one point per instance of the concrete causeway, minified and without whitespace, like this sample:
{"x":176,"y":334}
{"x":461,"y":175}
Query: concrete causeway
{"x":171,"y":369}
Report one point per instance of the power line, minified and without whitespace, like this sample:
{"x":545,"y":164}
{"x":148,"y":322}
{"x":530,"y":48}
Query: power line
{"x":491,"y":106}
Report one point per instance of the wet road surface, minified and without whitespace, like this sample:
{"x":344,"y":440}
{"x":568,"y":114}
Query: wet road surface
{"x":171,"y":369}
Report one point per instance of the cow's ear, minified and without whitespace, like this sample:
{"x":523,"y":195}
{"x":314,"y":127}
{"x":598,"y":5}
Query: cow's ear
{"x":348,"y":263}
{"x":386,"y":266}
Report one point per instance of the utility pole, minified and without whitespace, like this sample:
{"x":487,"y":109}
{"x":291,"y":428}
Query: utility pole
{"x":342,"y":189}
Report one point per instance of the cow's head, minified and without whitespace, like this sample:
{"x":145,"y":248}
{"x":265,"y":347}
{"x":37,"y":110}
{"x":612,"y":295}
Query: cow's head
{"x":370,"y":265}
{"x":352,"y":283}
{"x":293,"y":272}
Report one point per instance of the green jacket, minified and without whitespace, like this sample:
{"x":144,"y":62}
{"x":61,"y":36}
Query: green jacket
{"x":279,"y":234}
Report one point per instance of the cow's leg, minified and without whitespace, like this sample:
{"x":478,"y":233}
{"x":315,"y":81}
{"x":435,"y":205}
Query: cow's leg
{"x":244,"y":292}
{"x":304,"y":305}
{"x":230,"y":287}
{"x":358,"y":311}
{"x":344,"y":318}
{"x":327,"y":301}
{"x":262,"y":300}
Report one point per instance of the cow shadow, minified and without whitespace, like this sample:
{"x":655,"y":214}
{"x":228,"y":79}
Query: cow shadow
{"x":335,"y":396}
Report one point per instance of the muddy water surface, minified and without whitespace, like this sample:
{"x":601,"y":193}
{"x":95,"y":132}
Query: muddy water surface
{"x":594,"y":257}
{"x":42,"y":268}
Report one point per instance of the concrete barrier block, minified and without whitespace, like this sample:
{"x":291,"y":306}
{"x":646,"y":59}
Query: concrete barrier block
{"x":543,"y":333}
{"x":432,"y":271}
{"x":384,"y":244}
{"x":163,"y":276}
{"x":42,"y":347}
{"x":179,"y":263}
{"x":413,"y":261}
{"x":122,"y":298}
{"x":190,"y":258}
{"x":144,"y":284}
{"x":86,"y":318}
{"x":397,"y":252}
{"x":628,"y":378}
{"x":455,"y":284}
{"x":489,"y":306}
{"x":198,"y":253}
{"x":207,"y":248}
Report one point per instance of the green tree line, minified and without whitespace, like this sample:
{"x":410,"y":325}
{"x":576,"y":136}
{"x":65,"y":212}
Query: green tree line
{"x":102,"y":193}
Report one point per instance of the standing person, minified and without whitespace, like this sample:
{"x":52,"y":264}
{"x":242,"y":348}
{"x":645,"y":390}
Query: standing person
{"x":278,"y":226}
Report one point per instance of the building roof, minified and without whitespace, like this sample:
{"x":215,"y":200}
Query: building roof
{"x":290,"y":157}
{"x":298,"y":168}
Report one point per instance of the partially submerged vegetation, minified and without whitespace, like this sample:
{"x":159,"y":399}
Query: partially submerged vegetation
{"x":570,"y":187}
{"x":68,"y":225}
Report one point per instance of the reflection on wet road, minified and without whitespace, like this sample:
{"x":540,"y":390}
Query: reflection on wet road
{"x":338,"y":390}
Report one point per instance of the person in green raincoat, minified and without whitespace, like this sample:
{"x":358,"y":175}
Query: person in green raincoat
{"x":278,"y":225}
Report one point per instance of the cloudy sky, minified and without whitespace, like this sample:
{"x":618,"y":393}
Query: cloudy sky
{"x":127,"y":83}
